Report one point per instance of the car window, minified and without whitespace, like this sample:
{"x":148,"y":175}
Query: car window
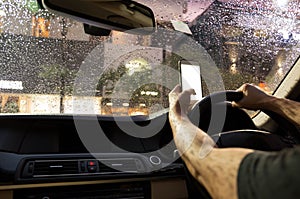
{"x":49,"y":65}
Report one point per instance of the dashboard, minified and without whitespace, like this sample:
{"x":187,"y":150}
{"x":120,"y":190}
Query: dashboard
{"x":46,"y":157}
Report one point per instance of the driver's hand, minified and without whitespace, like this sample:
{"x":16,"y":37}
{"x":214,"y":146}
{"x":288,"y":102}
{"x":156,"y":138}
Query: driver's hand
{"x":254,"y":98}
{"x":180,"y":100}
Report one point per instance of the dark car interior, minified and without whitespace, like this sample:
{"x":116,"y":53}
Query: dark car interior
{"x":44,"y":156}
{"x":41,"y":153}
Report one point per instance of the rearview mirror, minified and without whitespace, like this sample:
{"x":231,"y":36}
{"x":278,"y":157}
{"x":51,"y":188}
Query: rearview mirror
{"x":118,"y":15}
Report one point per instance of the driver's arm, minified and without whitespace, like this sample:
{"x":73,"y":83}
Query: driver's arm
{"x":236,"y":172}
{"x":217,"y":169}
{"x":256,"y":99}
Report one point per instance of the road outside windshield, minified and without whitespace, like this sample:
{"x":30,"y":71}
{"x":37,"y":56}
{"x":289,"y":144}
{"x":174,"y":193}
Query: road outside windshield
{"x":43,"y":56}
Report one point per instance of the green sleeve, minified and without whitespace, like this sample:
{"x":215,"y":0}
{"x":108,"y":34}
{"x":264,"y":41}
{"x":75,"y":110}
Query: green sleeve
{"x":270,"y":175}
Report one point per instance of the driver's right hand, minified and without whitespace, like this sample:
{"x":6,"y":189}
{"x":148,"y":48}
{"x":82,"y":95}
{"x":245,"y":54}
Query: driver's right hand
{"x":254,"y":98}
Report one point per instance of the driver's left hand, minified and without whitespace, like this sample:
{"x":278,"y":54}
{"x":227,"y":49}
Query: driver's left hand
{"x":180,"y":101}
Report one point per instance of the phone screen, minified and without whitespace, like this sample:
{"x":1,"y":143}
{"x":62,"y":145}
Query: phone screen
{"x":191,"y":78}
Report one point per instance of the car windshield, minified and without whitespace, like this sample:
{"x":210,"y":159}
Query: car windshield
{"x":49,"y":65}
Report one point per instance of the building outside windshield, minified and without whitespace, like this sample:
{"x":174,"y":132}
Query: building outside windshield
{"x":41,"y":54}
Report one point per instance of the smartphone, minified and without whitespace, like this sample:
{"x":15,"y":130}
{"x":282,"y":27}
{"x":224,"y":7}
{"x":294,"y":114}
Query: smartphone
{"x":190,"y":77}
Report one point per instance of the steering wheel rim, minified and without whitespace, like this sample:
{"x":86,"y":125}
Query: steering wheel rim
{"x":230,"y":95}
{"x":217,"y":113}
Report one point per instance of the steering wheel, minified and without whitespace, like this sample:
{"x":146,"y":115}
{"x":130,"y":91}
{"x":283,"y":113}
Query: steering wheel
{"x":210,"y":113}
{"x":232,"y":127}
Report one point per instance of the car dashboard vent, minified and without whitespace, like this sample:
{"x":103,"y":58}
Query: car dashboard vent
{"x":42,"y":168}
{"x":119,"y":165}
{"x":74,"y":167}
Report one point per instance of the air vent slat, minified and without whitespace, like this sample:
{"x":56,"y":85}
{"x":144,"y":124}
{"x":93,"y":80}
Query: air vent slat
{"x":55,"y":167}
{"x":119,"y":165}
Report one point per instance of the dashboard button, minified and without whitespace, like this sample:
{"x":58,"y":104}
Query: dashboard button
{"x":91,"y":163}
{"x":92,"y":166}
{"x":92,"y":169}
{"x":155,"y":160}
